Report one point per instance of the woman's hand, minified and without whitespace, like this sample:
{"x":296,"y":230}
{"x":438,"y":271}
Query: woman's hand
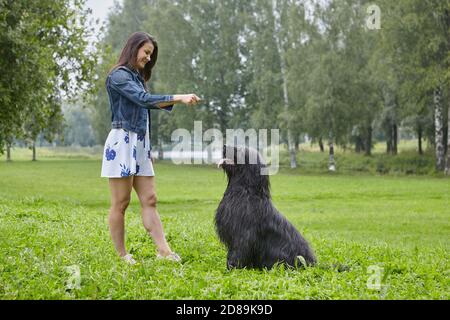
{"x":189,"y":99}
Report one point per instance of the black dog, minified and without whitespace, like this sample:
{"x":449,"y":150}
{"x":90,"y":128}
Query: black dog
{"x":254,"y":232}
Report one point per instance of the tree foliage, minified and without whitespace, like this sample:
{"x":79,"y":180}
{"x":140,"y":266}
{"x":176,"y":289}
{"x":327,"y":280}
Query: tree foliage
{"x":43,"y":59}
{"x":346,"y":83}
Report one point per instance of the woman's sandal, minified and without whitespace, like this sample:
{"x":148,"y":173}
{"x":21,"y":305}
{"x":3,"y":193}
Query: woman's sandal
{"x":172,"y":257}
{"x":129,"y":259}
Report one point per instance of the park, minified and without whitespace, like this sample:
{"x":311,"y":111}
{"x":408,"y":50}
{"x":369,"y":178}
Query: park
{"x":355,"y":97}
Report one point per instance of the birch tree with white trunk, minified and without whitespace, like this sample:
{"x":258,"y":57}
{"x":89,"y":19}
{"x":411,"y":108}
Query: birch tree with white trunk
{"x":281,"y":54}
{"x":439,"y":129}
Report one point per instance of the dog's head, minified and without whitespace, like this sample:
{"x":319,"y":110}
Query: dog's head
{"x":243,"y":165}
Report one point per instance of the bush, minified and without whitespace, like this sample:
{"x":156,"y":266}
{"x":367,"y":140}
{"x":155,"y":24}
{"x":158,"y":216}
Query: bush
{"x":404,"y":163}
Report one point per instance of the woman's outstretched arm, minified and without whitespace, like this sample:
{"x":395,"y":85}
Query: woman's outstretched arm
{"x":189,"y":99}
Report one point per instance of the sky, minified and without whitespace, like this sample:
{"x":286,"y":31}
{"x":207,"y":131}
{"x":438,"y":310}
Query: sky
{"x":100,"y":8}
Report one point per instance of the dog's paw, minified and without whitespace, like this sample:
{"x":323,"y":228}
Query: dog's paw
{"x":232,"y":264}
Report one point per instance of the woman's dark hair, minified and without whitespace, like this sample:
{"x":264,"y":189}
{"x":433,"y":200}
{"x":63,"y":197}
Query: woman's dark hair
{"x":130,"y":51}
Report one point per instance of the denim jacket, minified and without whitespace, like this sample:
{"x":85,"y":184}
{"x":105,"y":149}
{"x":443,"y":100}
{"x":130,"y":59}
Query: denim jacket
{"x":130,"y":103}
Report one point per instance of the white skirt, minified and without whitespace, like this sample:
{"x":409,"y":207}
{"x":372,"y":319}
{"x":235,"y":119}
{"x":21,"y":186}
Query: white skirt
{"x":126,"y":154}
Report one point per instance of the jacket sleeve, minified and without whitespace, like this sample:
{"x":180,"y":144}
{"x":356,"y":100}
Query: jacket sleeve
{"x":122,"y":82}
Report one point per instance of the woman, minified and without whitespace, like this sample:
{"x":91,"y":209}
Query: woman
{"x":127,"y":161}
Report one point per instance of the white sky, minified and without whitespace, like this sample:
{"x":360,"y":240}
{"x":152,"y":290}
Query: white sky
{"x":100,"y":8}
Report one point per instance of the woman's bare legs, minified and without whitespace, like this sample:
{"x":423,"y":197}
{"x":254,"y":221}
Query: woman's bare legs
{"x":120,"y":198}
{"x":146,"y":191}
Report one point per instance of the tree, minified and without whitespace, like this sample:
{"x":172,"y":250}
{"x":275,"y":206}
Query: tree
{"x":77,"y":125}
{"x":341,"y":96}
{"x":280,"y":45}
{"x":43,"y":57}
{"x":262,"y":73}
{"x":417,"y":37}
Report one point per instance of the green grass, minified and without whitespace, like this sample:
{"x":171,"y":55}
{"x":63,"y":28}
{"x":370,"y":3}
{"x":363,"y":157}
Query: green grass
{"x":53,"y":215}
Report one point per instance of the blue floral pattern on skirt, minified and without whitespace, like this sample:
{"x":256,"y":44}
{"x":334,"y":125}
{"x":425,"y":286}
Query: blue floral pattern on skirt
{"x":126,"y":154}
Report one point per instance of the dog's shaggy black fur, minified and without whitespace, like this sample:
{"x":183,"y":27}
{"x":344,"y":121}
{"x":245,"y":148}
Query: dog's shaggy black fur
{"x":254,"y":232}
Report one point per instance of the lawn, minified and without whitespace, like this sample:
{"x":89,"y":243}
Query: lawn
{"x":53,"y":224}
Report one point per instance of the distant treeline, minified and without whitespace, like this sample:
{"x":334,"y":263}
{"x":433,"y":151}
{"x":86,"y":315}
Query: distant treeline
{"x":342,"y":72}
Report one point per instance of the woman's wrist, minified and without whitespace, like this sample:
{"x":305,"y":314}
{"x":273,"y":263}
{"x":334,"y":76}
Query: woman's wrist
{"x":177,"y":98}
{"x":185,"y":98}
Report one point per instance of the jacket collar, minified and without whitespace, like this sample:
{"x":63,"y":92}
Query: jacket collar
{"x":134,"y":71}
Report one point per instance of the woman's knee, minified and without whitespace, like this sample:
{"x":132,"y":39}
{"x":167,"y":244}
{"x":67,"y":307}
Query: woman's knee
{"x":149,"y":200}
{"x":120,"y":205}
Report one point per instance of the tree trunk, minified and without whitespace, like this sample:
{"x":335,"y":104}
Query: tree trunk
{"x":331,"y":162}
{"x":447,"y":164}
{"x":394,"y":150}
{"x":419,"y":139}
{"x":34,"y":151}
{"x":160,"y":152}
{"x":277,"y":27}
{"x":391,"y":137}
{"x":368,"y":142}
{"x":439,"y":131}
{"x":8,"y":153}
{"x":388,"y":142}
{"x":359,"y":144}
{"x":322,"y":149}
{"x":388,"y":132}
